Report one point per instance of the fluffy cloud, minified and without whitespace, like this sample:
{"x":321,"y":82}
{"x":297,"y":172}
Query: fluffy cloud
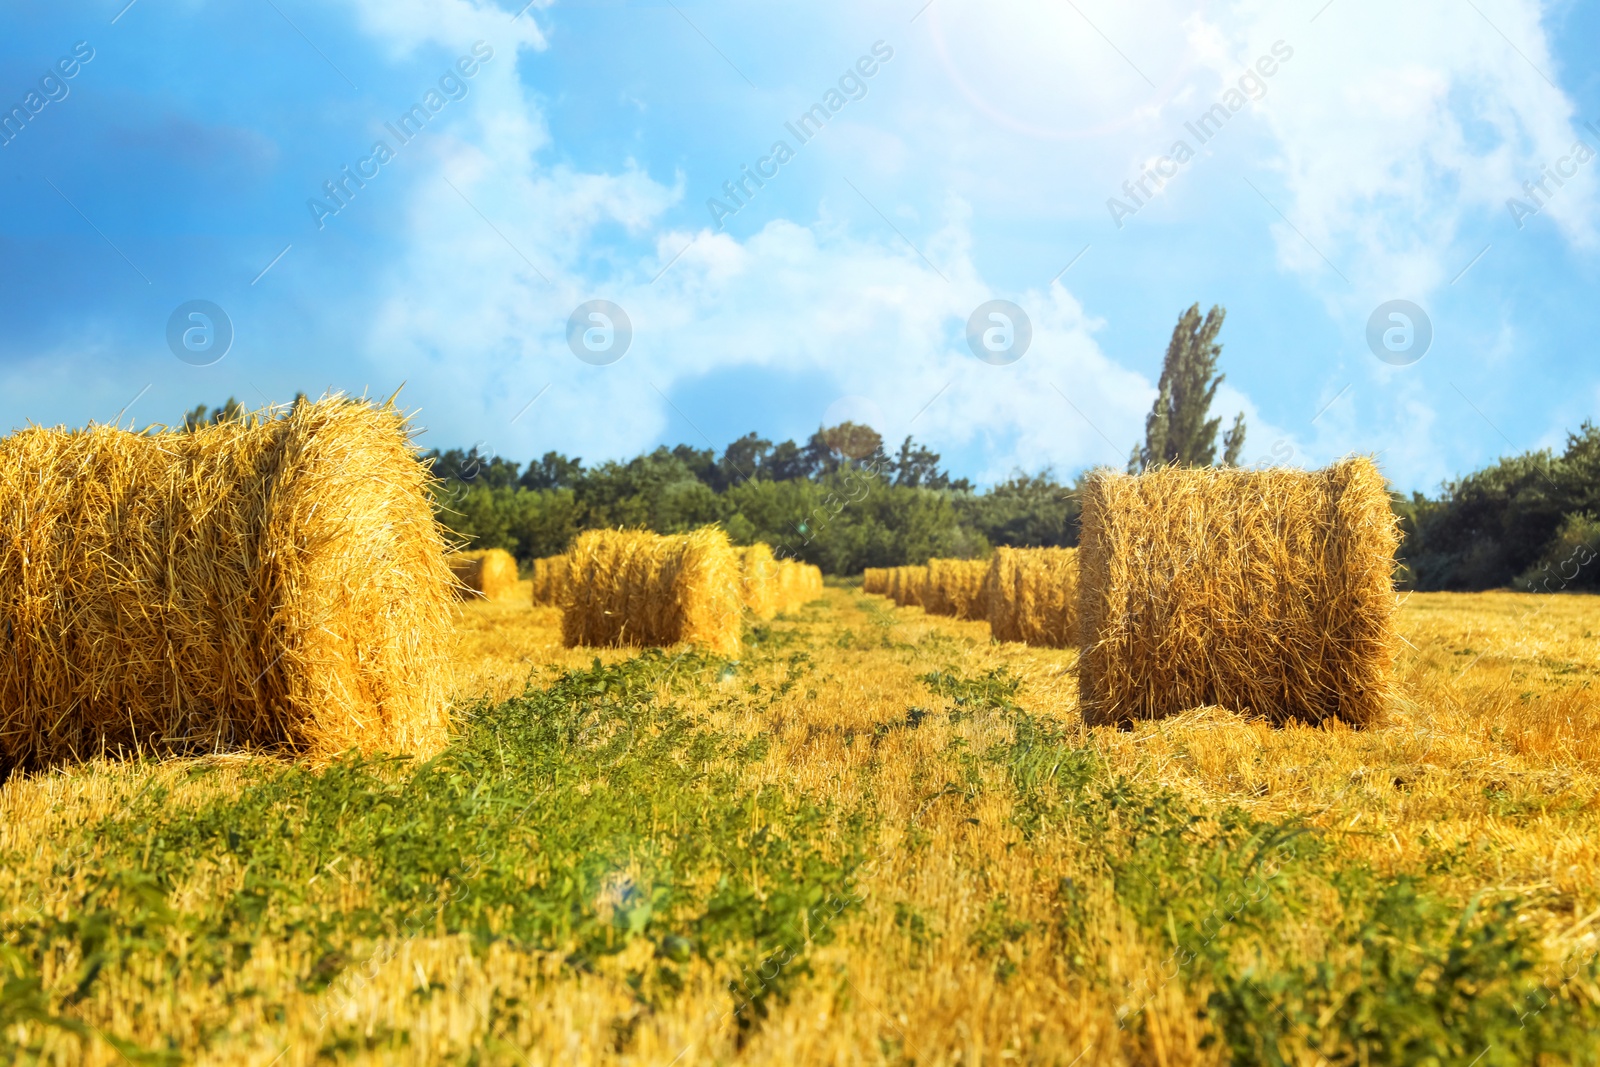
{"x":1379,"y":147}
{"x":1388,"y":143}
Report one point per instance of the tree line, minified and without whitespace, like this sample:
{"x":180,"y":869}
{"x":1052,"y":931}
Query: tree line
{"x":840,"y":500}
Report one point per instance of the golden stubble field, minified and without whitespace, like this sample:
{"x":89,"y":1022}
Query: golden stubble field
{"x":985,"y":930}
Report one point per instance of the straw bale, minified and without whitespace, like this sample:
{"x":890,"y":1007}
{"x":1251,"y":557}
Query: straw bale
{"x":955,"y":587}
{"x":550,"y":580}
{"x":631,"y":587}
{"x":1268,"y":592}
{"x":907,"y":584}
{"x":275,"y":582}
{"x":758,"y":580}
{"x":798,"y":584}
{"x":875,"y":580}
{"x":1032,"y":596}
{"x":791,"y":580}
{"x":484,"y":574}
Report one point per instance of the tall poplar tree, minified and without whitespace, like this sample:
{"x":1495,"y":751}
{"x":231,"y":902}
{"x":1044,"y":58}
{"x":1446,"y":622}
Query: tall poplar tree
{"x":1179,"y":430}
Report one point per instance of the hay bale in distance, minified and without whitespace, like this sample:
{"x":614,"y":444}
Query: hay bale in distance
{"x":485,"y":574}
{"x":875,"y":580}
{"x":631,"y":587}
{"x":955,"y":587}
{"x":1268,"y":592}
{"x":550,"y":580}
{"x":1032,"y":596}
{"x":275,"y":582}
{"x":906,"y":585}
{"x":798,"y":584}
{"x":758,"y":580}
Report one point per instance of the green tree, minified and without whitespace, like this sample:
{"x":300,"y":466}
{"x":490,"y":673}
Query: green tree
{"x":1179,"y":430}
{"x":742,"y":460}
{"x":554,"y":471}
{"x":917,"y":466}
{"x":193,"y":420}
{"x":1024,"y":511}
{"x":787,"y":462}
{"x":1506,"y":521}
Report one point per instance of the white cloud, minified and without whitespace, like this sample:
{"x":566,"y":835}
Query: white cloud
{"x":405,"y":25}
{"x":1389,"y":141}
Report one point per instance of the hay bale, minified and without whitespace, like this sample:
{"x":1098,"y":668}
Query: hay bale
{"x":907,"y":584}
{"x":1268,"y":592}
{"x":276,"y":582}
{"x":1032,"y":596}
{"x":630,"y":587}
{"x":875,"y":580}
{"x":550,"y":580}
{"x":807,"y":582}
{"x":798,"y":584}
{"x":790,"y":582}
{"x":758,"y":580}
{"x":484,"y":574}
{"x":955,"y":587}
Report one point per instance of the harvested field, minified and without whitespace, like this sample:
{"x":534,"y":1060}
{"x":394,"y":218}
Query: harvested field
{"x":992,"y":877}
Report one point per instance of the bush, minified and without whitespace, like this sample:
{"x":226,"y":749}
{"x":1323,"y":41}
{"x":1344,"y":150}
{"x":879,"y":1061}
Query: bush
{"x":1568,"y":561}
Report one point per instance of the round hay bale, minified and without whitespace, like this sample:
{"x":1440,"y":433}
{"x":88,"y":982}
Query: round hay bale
{"x":485,"y":574}
{"x":798,"y":584}
{"x":758,"y":574}
{"x":273,"y":582}
{"x":630,"y":587}
{"x":1032,"y":596}
{"x":1268,"y":592}
{"x":550,"y":580}
{"x":955,"y":587}
{"x":875,"y":580}
{"x":907,"y":585}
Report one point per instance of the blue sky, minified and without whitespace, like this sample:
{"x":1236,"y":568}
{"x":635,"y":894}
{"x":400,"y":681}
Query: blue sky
{"x":976,"y":162}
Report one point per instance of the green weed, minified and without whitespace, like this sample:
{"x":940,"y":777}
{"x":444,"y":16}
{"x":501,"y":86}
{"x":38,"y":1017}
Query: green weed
{"x":576,"y":818}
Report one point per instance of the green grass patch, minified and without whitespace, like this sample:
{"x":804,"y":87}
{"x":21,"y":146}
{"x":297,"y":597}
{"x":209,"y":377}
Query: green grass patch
{"x":1305,"y":952}
{"x":578,"y":818}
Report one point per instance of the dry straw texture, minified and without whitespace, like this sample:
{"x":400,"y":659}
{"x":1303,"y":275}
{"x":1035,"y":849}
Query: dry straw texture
{"x":875,"y":580}
{"x":798,"y":584}
{"x":550,"y":580}
{"x":277,"y":582}
{"x":758,"y":580}
{"x":485,"y":574}
{"x":629,"y":587}
{"x":955,"y":588}
{"x":1267,"y":592}
{"x":906,"y":585}
{"x":1032,"y":596}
